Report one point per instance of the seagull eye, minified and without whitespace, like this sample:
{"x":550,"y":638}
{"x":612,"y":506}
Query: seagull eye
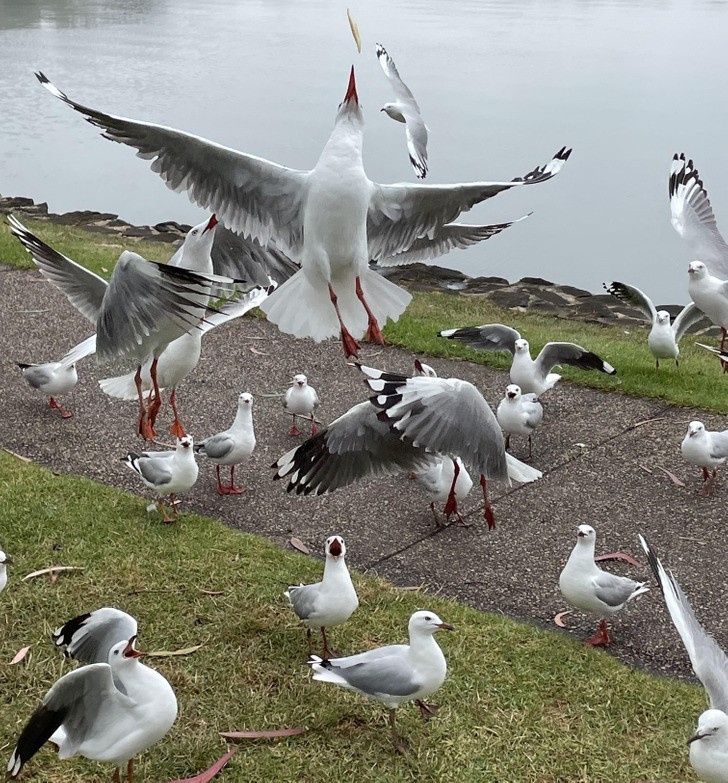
{"x":194,"y":233}
{"x":428,"y":618}
{"x":116,"y":652}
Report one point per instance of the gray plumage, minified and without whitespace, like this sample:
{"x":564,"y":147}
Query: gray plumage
{"x":89,"y":637}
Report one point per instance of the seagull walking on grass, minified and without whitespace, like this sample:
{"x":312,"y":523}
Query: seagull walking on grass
{"x":51,"y":378}
{"x":710,"y":295}
{"x":709,"y":744}
{"x":396,"y":673}
{"x":329,"y":602}
{"x":333,"y":218}
{"x":519,"y":414}
{"x":585,"y":586}
{"x":534,"y":376}
{"x":706,"y":449}
{"x":302,"y":400}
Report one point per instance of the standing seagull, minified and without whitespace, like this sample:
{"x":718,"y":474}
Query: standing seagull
{"x":446,"y":476}
{"x":166,"y":472}
{"x":664,"y":336}
{"x":301,"y":399}
{"x":587,"y":587}
{"x":110,"y":710}
{"x":519,"y":414}
{"x":52,"y":378}
{"x":396,"y":673}
{"x":5,"y":561}
{"x":333,"y":219}
{"x":710,"y":294}
{"x":329,"y":602}
{"x":708,"y":450}
{"x":137,"y":313}
{"x":534,"y":376}
{"x":406,"y":110}
{"x":709,"y":744}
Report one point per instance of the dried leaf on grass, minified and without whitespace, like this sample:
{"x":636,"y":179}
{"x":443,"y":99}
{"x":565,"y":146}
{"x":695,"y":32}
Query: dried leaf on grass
{"x":22,"y":652}
{"x":271,"y":734}
{"x":296,"y":543}
{"x":170,"y":653}
{"x":678,"y":482}
{"x":212,"y":592}
{"x":559,"y":618}
{"x":210,"y":773}
{"x":53,"y":570}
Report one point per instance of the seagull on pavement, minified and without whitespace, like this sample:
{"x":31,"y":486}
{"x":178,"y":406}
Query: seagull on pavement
{"x":709,"y":744}
{"x":587,"y":587}
{"x":706,"y":449}
{"x":446,"y":475}
{"x":664,"y":336}
{"x":301,"y":399}
{"x":396,"y":673}
{"x":534,"y":376}
{"x":333,"y":219}
{"x":52,"y":378}
{"x":329,"y":602}
{"x":519,"y":414}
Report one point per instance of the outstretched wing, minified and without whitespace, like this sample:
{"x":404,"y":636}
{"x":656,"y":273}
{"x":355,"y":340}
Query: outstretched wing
{"x":488,"y":337}
{"x":631,"y":295}
{"x":553,"y":354}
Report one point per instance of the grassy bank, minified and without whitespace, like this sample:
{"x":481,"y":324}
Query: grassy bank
{"x":519,"y":703}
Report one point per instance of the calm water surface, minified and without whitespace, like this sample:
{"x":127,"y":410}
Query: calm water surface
{"x":502,"y":84}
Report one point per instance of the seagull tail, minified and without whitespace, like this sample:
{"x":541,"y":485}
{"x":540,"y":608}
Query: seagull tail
{"x":122,"y":387}
{"x":323,"y":671}
{"x":519,"y":471}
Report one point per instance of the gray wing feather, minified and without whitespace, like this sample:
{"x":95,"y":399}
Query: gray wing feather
{"x":689,"y":315}
{"x":236,"y":256}
{"x":488,"y":337}
{"x":553,"y":354}
{"x":39,"y":374}
{"x":217,"y":446}
{"x":383,"y":672}
{"x":633,"y":296}
{"x":719,"y":444}
{"x":303,"y":599}
{"x":155,"y":469}
{"x":614,"y":590}
{"x":90,"y":637}
{"x":234,"y":309}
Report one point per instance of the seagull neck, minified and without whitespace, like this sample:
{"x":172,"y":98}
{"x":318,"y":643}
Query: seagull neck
{"x":336,"y":569}
{"x":345,"y":142}
{"x":243,"y":417}
{"x":584,"y":550}
{"x":423,"y":645}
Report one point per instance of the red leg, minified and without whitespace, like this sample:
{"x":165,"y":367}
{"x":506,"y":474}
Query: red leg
{"x":294,"y":429}
{"x":451,"y":505}
{"x":314,"y":428}
{"x":351,"y":346}
{"x":177,"y":429}
{"x":221,"y":488}
{"x":130,"y":771}
{"x":163,"y":509}
{"x":488,"y":509}
{"x":373,"y":332}
{"x":232,"y":489}
{"x":328,"y":652}
{"x":530,"y":452}
{"x":508,"y":441}
{"x":144,"y":428}
{"x":601,"y":637}
{"x":156,"y":402}
{"x":64,"y":414}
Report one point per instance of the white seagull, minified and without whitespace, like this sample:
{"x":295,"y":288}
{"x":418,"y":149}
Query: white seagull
{"x":111,"y":709}
{"x":232,"y":446}
{"x":534,"y":376}
{"x":585,"y":586}
{"x":138,"y":312}
{"x":301,"y":399}
{"x":446,"y":476}
{"x":402,"y":425}
{"x":406,"y":110}
{"x":5,"y":561}
{"x":710,"y":294}
{"x":329,"y":602}
{"x":166,"y":472}
{"x":51,"y":378}
{"x":706,"y":449}
{"x":396,"y":673}
{"x":664,"y":336}
{"x":182,"y":356}
{"x":709,"y":744}
{"x":333,"y":219}
{"x":519,"y":414}
{"x":424,"y":369}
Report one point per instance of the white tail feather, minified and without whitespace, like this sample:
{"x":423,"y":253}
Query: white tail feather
{"x":519,"y":471}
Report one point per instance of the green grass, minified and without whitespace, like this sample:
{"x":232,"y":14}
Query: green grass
{"x":519,"y":704}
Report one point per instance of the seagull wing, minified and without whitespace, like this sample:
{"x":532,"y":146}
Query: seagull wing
{"x":236,"y":256}
{"x":237,"y":308}
{"x":89,"y":637}
{"x":380,"y":672}
{"x":553,"y":354}
{"x":488,"y":337}
{"x":633,"y":296}
{"x":709,"y":662}
{"x":80,"y":351}
{"x":250,"y":195}
{"x":402,"y":213}
{"x":689,"y":315}
{"x":692,"y":216}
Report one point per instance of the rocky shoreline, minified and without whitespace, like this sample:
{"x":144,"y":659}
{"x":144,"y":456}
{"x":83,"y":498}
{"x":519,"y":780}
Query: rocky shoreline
{"x":532,"y":294}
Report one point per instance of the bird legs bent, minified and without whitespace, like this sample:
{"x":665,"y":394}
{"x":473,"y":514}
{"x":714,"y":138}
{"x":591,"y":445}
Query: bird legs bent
{"x":351,"y":346}
{"x":53,"y":404}
{"x":451,"y":505}
{"x":373,"y":334}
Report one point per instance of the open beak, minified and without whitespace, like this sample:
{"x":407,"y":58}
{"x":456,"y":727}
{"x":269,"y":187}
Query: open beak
{"x":581,"y":535}
{"x":418,"y":363}
{"x":445,"y":627}
{"x":335,"y":549}
{"x":351,"y":89}
{"x":211,"y":223}
{"x":130,"y":652}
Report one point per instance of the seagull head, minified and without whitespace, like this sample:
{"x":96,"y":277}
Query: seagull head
{"x":586,"y":533}
{"x":4,"y":559}
{"x":198,"y":241}
{"x":394,"y":111}
{"x":697,"y":269}
{"x":663,"y":317}
{"x":123,"y":652}
{"x":424,"y":369}
{"x":710,"y":724}
{"x":185,"y":443}
{"x":300,"y":380}
{"x":513,"y":392}
{"x":521,"y":346}
{"x":695,"y":428}
{"x":425,"y":622}
{"x":350,"y":107}
{"x":335,"y":547}
{"x":245,"y":399}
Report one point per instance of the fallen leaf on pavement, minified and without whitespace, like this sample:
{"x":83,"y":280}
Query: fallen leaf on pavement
{"x":273,"y":734}
{"x":255,"y":350}
{"x":51,"y":570}
{"x":170,"y":653}
{"x":209,"y":774}
{"x":296,"y":543}
{"x":22,"y":652}
{"x":675,"y":480}
{"x":559,"y":618}
{"x":646,"y":469}
{"x":17,"y":456}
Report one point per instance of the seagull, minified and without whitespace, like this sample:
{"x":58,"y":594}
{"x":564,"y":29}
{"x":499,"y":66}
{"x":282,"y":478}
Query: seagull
{"x":406,"y":110}
{"x":138,"y":312}
{"x":5,"y":561}
{"x":333,"y":219}
{"x":424,"y":369}
{"x":111,"y":709}
{"x":398,"y":429}
{"x":52,"y":378}
{"x":396,"y":673}
{"x":533,"y":376}
{"x":329,"y":602}
{"x":446,"y":475}
{"x":166,"y":472}
{"x":710,"y":295}
{"x":709,"y":744}
{"x":519,"y":414}
{"x":182,"y":355}
{"x":301,"y":399}
{"x":233,"y":446}
{"x":587,"y":587}
{"x":664,"y":336}
{"x":705,"y":449}
{"x":692,"y":216}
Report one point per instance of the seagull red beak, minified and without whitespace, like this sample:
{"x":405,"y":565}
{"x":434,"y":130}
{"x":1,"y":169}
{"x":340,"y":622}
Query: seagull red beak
{"x":351,"y":89}
{"x":130,"y":652}
{"x":211,"y":223}
{"x":445,"y":627}
{"x":335,"y":549}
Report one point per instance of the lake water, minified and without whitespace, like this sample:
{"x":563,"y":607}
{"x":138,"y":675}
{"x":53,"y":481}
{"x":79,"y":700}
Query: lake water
{"x":502,"y":84}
